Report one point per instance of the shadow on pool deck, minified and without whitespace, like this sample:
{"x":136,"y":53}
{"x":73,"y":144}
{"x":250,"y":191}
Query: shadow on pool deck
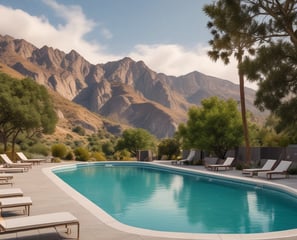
{"x":47,"y":197}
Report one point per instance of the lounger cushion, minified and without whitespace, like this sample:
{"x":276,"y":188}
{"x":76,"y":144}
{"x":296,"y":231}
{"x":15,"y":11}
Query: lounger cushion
{"x":10,"y":192}
{"x":15,"y":202}
{"x":23,"y":158}
{"x":5,"y":176}
{"x":37,"y":221}
{"x":11,"y":170}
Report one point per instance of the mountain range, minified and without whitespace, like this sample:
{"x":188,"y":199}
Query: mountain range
{"x":124,"y":91}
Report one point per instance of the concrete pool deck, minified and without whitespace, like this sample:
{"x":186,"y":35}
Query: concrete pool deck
{"x":47,"y":197}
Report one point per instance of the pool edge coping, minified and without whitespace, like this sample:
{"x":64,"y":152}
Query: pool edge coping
{"x":105,"y":218}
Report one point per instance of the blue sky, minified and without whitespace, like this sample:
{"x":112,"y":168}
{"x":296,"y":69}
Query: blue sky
{"x":170,"y":36}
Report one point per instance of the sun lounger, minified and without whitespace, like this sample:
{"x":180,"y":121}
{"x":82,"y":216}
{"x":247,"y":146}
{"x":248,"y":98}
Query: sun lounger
{"x":281,"y":168}
{"x":4,"y":169}
{"x":49,"y":220}
{"x":11,"y":202}
{"x":5,"y":179}
{"x":266,"y":167}
{"x":6,"y":182}
{"x":10,"y":163}
{"x":24,"y":159}
{"x":4,"y":176}
{"x":186,"y":160}
{"x":226,"y":165}
{"x":11,"y":192}
{"x":209,"y":161}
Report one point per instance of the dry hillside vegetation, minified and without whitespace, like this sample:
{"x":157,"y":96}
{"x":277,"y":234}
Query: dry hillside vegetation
{"x":70,"y":115}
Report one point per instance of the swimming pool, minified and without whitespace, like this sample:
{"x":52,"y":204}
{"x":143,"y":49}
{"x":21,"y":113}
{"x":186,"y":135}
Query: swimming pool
{"x":162,"y":198}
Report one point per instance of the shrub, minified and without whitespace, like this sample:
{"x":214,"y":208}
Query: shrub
{"x":169,"y":147}
{"x":56,"y":160}
{"x":108,"y":148}
{"x":59,"y":150}
{"x":122,"y":155}
{"x":39,"y":148}
{"x":79,"y":130}
{"x":69,"y":156}
{"x":78,"y":143}
{"x":98,"y":156}
{"x":81,"y":154}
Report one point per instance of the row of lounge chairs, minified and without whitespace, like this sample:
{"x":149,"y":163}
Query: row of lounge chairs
{"x":14,"y":197}
{"x":268,"y":168}
{"x":22,"y":166}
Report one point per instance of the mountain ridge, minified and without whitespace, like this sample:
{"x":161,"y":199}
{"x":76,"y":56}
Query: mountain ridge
{"x":124,"y":90}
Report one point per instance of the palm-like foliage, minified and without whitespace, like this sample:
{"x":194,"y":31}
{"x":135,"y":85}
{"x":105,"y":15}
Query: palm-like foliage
{"x":232,"y":28}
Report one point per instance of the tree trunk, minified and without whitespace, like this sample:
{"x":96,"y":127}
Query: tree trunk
{"x":14,"y":137}
{"x":244,"y":120}
{"x":5,"y":143}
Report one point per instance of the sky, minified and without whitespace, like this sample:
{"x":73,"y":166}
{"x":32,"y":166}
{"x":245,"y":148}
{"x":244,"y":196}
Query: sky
{"x":170,"y":36}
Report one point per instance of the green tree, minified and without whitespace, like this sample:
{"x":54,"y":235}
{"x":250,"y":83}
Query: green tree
{"x":169,"y":147}
{"x":108,"y":148}
{"x":215,"y":127}
{"x":232,"y":28}
{"x":274,"y":66}
{"x":135,"y":139}
{"x":25,"y":107}
{"x":277,"y":80}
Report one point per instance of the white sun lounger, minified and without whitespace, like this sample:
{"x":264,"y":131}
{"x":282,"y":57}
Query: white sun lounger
{"x":12,"y":202}
{"x":49,"y":220}
{"x":5,"y":176}
{"x":11,"y":192}
{"x":10,"y":163}
{"x":226,"y":165}
{"x":188,"y":159}
{"x":11,"y":170}
{"x":24,"y":159}
{"x":281,"y":168}
{"x":4,"y":169}
{"x":266,"y":167}
{"x":6,"y":179}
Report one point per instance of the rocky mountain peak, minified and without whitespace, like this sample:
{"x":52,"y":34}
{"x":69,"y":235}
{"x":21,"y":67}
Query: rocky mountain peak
{"x":17,"y":47}
{"x":126,"y":91}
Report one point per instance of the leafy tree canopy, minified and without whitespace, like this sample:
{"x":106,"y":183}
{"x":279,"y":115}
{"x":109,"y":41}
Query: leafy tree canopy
{"x":215,"y":127}
{"x":169,"y":147}
{"x":232,"y":28}
{"x":136,"y":139}
{"x":274,"y":65}
{"x":25,"y":107}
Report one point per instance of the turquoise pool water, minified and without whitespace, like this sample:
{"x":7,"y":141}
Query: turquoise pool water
{"x":163,"y":199}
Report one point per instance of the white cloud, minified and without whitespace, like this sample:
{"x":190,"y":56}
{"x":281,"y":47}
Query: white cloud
{"x":39,"y":31}
{"x":105,"y":32}
{"x":169,"y":59}
{"x":176,"y":60}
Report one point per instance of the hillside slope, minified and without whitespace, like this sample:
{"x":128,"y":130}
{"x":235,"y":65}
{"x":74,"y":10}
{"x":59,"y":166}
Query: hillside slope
{"x":126,"y":91}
